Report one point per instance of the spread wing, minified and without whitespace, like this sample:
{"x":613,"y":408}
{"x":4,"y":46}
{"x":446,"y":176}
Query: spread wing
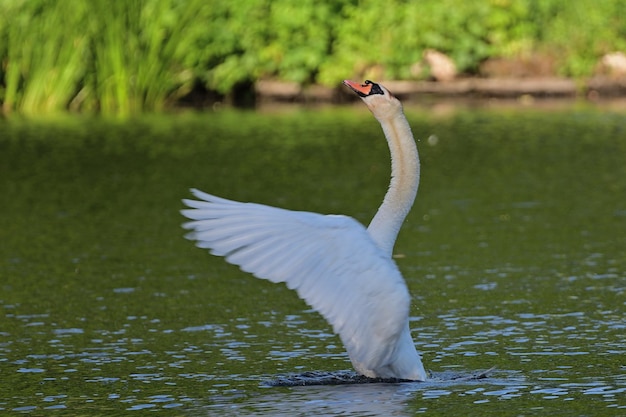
{"x":331,"y":261}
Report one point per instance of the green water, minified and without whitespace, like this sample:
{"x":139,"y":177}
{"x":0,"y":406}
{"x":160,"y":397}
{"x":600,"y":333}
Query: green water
{"x":514,"y":254}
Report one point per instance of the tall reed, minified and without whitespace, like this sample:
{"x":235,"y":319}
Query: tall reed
{"x":139,"y":52}
{"x":120,"y":57}
{"x":45,"y":55}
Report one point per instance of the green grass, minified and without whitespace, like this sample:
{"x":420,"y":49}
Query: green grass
{"x":117,"y":57}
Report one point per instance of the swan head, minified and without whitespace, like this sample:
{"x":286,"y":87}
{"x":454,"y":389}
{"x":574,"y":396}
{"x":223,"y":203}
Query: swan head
{"x":377,"y":98}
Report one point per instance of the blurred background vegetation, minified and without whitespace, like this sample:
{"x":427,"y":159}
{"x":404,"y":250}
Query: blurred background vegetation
{"x":127,"y":56}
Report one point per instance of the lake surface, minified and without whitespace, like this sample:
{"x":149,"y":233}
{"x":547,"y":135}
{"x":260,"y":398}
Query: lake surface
{"x":514,"y":254}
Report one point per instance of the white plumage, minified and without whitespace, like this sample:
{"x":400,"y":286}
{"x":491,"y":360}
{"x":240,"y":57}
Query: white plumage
{"x":340,"y":268}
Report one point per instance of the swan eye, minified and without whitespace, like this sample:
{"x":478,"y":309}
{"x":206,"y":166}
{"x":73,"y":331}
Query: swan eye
{"x":376,"y":90}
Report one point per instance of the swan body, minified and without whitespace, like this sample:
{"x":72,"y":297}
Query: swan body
{"x":340,"y":268}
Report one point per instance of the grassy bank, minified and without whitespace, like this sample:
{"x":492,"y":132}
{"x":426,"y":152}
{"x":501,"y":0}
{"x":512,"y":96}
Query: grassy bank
{"x":122,"y":57}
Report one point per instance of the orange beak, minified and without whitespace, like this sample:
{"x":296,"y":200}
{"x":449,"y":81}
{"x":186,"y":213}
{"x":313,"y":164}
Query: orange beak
{"x":361,"y":89}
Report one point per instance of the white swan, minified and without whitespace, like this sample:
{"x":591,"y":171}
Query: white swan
{"x":341,"y":269}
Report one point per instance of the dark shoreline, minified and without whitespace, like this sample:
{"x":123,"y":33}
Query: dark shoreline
{"x":596,"y":88}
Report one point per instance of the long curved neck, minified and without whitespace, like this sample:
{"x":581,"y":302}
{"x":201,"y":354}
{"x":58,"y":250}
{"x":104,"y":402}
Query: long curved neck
{"x":405,"y":175}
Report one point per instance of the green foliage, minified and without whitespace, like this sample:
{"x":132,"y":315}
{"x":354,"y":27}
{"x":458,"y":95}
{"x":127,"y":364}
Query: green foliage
{"x":252,"y":39}
{"x":139,"y":59}
{"x":117,"y":56}
{"x":583,"y":30}
{"x":42,"y":65}
{"x":126,"y":56}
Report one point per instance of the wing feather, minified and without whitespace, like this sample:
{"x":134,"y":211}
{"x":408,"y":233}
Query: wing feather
{"x":331,"y":261}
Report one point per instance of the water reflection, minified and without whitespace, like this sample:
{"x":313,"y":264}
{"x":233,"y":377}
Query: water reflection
{"x":362,"y":400}
{"x":415,"y":398}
